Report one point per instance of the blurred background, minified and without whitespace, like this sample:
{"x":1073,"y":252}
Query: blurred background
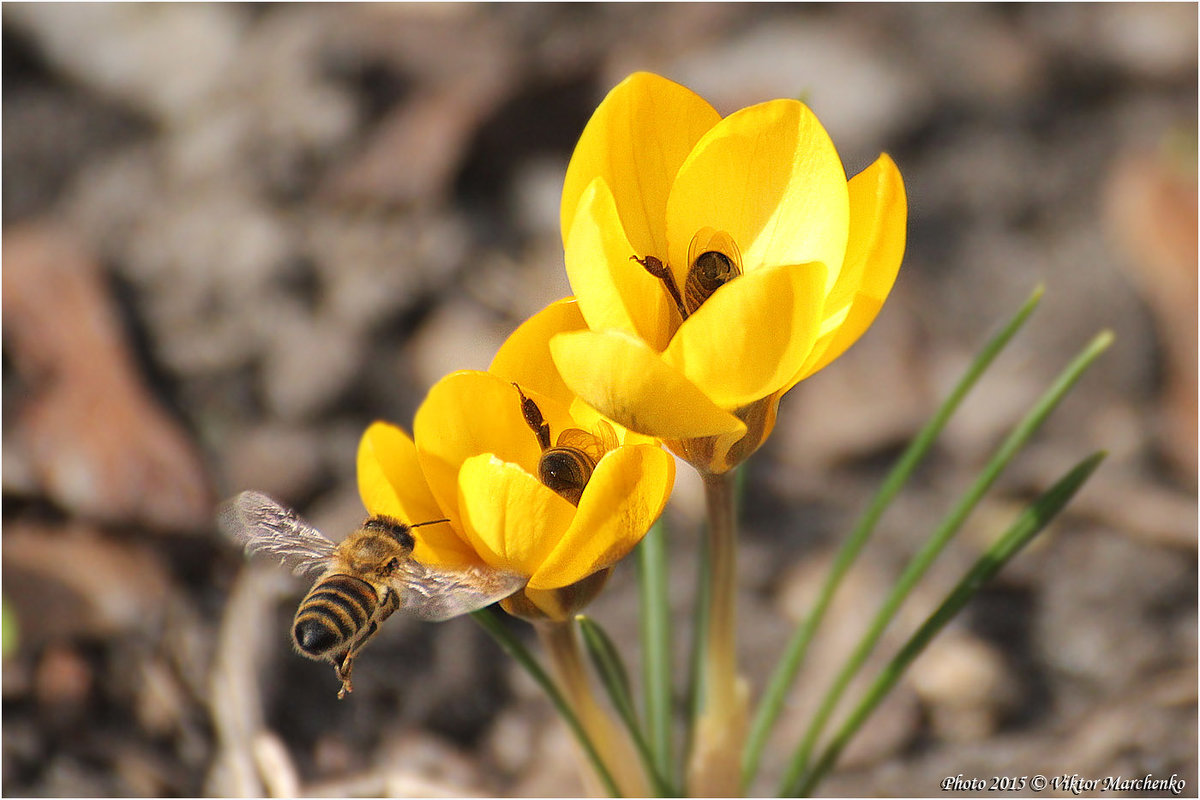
{"x":235,"y":235}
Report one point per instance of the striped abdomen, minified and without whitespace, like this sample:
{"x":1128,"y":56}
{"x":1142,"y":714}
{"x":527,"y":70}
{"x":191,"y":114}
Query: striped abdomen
{"x":333,"y":614}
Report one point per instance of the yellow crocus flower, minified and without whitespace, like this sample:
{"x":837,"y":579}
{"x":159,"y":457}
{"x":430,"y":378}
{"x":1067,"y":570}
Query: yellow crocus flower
{"x":716,"y":262}
{"x":474,"y":459}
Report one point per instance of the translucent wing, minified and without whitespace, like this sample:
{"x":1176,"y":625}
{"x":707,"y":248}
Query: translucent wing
{"x":708,"y":240}
{"x":260,"y":524}
{"x":582,"y":440}
{"x":438,"y":594}
{"x":606,"y":435}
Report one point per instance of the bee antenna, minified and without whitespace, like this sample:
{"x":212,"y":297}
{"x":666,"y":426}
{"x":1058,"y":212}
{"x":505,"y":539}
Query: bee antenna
{"x":430,"y":522}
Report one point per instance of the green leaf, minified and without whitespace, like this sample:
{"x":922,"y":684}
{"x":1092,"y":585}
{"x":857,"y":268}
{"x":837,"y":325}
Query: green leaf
{"x":785,"y":672}
{"x":607,"y":661}
{"x":950,"y":525}
{"x":1028,"y":525}
{"x":490,"y":620}
{"x":656,"y":644}
{"x":695,"y":678}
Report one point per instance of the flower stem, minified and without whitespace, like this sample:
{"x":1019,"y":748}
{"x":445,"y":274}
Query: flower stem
{"x":714,"y":768}
{"x":616,"y":751}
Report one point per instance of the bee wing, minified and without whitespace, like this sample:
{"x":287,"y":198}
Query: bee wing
{"x":707,"y":240}
{"x":437,"y":594}
{"x":260,"y":524}
{"x":606,"y":436}
{"x":592,"y":445}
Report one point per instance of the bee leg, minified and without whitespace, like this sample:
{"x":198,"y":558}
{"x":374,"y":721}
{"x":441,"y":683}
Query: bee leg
{"x":661,"y":271}
{"x":343,"y":667}
{"x":346,"y":664}
{"x":534,"y":419}
{"x":387,"y":606}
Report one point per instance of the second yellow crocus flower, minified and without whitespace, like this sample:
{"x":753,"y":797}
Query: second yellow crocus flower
{"x":474,"y":459}
{"x":716,"y":262}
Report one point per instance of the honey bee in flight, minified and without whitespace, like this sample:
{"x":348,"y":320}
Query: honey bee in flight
{"x":566,"y":467}
{"x":360,"y":582}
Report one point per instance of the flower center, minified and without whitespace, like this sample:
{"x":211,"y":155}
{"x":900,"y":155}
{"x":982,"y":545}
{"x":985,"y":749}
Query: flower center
{"x":714,"y":260}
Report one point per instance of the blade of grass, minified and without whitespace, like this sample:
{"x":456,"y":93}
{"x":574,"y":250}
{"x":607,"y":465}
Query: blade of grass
{"x":489,"y":619}
{"x":785,"y":672}
{"x":1028,"y":525}
{"x":656,"y":644}
{"x":950,"y":525}
{"x":607,"y":661}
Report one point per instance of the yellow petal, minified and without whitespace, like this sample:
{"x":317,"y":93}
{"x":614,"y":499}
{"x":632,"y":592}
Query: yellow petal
{"x":858,"y":318}
{"x":512,"y":521}
{"x":525,"y":355}
{"x":626,"y":381}
{"x":626,"y":493}
{"x":770,"y":176}
{"x":878,"y":223}
{"x":467,"y":413}
{"x":748,"y":339}
{"x":614,"y":292}
{"x":636,"y":140}
{"x":391,"y":484}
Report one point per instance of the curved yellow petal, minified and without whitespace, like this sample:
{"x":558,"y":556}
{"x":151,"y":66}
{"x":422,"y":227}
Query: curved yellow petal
{"x":511,"y":520}
{"x":858,"y":318}
{"x":387,"y":467}
{"x":467,"y":413}
{"x":754,"y":333}
{"x":770,"y":176}
{"x":589,"y":419}
{"x":391,"y":484}
{"x":636,"y":139}
{"x":626,"y":493}
{"x":623,"y":379}
{"x":525,"y":355}
{"x":878,"y":226}
{"x":614,"y":292}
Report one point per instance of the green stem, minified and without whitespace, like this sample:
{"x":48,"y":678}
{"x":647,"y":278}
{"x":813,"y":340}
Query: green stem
{"x":490,"y":621}
{"x":1031,"y":522}
{"x":933,"y":547}
{"x":785,"y":672}
{"x":714,"y":761}
{"x":720,"y":647}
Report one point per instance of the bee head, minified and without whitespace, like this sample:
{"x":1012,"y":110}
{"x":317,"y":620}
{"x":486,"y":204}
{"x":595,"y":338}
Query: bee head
{"x":389,"y":526}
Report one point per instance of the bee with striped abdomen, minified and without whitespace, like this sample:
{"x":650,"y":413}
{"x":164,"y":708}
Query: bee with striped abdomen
{"x":361,"y":581}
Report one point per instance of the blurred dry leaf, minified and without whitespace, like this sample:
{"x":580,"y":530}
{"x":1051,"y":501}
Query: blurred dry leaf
{"x":1151,"y":208}
{"x":90,"y":431}
{"x":413,"y":155}
{"x":69,"y":580}
{"x":896,"y":720}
